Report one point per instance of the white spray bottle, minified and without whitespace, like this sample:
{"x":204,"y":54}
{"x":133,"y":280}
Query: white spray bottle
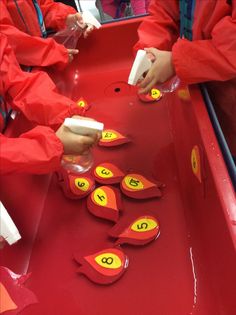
{"x":81,"y":163}
{"x":141,"y":65}
{"x":8,"y":230}
{"x":70,"y":35}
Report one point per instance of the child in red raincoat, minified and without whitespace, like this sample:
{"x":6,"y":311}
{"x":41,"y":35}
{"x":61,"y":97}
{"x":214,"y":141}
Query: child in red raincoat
{"x":116,"y":8}
{"x":33,"y":94}
{"x":25,"y":22}
{"x":196,"y":40}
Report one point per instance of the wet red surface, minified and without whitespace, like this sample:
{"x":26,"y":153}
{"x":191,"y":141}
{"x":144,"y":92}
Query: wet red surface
{"x":190,"y":268}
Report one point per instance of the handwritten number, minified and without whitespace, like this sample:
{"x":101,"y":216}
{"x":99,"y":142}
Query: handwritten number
{"x":80,"y":184}
{"x":101,"y":197}
{"x":108,"y":135}
{"x":142,"y":226}
{"x":105,"y":172}
{"x":133,"y":182}
{"x":107,"y":260}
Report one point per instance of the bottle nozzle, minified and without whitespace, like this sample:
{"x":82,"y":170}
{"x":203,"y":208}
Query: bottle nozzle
{"x":89,"y":19}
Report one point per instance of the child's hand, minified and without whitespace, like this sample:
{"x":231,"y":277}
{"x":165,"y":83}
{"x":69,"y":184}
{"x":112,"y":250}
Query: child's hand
{"x":98,"y":134}
{"x":71,"y":53}
{"x":73,"y":143}
{"x":88,"y":30}
{"x":2,"y":242}
{"x":151,"y":53}
{"x":73,"y":19}
{"x":161,"y":70}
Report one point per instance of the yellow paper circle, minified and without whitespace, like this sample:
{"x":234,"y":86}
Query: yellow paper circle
{"x":108,"y":260}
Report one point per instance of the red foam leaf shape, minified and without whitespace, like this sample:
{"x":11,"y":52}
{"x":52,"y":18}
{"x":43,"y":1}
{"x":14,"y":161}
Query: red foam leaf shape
{"x":112,"y":138}
{"x":139,"y":187}
{"x":83,"y":104}
{"x":105,"y":202}
{"x":103,"y":267}
{"x":153,"y":96}
{"x":15,"y":297}
{"x":141,"y":231}
{"x":75,"y":186}
{"x":107,"y":173}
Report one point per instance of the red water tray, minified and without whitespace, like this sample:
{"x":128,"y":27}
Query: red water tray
{"x":190,"y":268}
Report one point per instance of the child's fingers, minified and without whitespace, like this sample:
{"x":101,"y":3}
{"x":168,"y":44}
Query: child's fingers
{"x":147,"y":87}
{"x":88,"y":140}
{"x":145,"y":81}
{"x":151,"y":53}
{"x":88,"y":30}
{"x":79,"y":18}
{"x":2,"y":242}
{"x":71,"y":53}
{"x":151,"y":57}
{"x":80,"y":144}
{"x":152,"y":50}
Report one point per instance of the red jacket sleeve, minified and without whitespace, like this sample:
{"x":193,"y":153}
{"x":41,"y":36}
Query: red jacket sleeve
{"x":34,"y":94}
{"x":207,"y":60}
{"x":194,"y":61}
{"x":161,"y":28}
{"x":38,"y":151}
{"x":32,"y":50}
{"x":55,"y":13}
{"x":43,"y":105}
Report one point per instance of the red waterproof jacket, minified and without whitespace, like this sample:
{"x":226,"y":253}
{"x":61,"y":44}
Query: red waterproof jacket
{"x":19,"y":21}
{"x":33,"y":95}
{"x":210,"y":56}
